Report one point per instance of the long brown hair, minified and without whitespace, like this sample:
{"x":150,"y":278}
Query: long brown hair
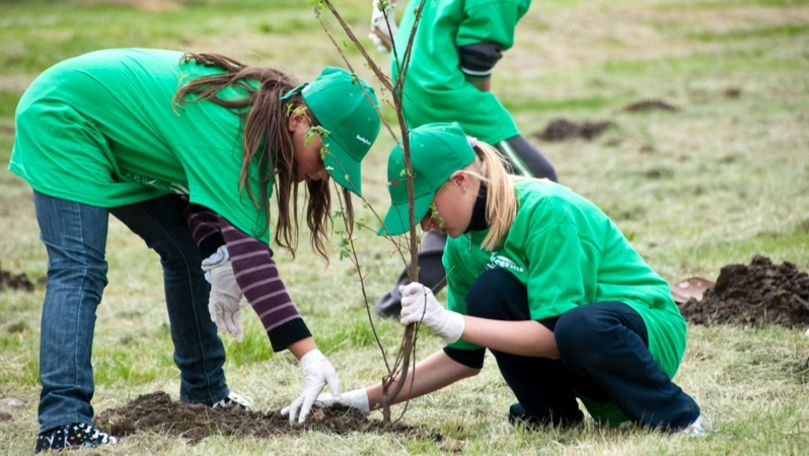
{"x":268,"y":142}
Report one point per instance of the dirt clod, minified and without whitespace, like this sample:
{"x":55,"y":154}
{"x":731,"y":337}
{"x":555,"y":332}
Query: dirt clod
{"x":156,"y":412}
{"x":650,"y":105}
{"x":563,"y":129}
{"x":754,"y":295}
{"x":11,"y":281}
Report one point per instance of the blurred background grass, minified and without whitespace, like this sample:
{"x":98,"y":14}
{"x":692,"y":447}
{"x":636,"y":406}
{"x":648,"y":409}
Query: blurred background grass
{"x":721,"y":179}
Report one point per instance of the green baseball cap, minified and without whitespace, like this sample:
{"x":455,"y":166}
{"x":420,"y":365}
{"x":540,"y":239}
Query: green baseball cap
{"x":336,"y":100}
{"x":436,"y":151}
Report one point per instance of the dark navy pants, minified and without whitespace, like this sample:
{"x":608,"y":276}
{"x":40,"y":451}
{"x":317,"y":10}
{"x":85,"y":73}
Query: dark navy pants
{"x":604,"y":356}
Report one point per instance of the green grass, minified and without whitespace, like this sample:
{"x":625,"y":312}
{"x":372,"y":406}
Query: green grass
{"x":719,"y":181}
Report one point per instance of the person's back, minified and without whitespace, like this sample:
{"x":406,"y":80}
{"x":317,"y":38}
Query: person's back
{"x":123,"y":101}
{"x":438,"y":87}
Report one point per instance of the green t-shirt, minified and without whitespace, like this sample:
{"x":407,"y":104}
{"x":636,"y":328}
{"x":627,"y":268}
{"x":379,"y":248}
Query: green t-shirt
{"x":102,"y":129}
{"x":436,"y":90}
{"x":568,"y":253}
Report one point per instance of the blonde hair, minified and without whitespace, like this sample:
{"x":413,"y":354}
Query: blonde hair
{"x":501,"y":200}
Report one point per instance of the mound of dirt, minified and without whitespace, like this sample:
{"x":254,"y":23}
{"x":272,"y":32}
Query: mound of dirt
{"x":650,"y":105}
{"x":11,"y":281}
{"x":755,"y":295}
{"x":563,"y":129}
{"x":157,"y":413}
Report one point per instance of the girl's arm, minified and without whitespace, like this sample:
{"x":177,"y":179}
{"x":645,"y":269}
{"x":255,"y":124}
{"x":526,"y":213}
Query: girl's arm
{"x":432,"y":373}
{"x":254,"y":260}
{"x":523,"y":338}
{"x":203,"y":224}
{"x":257,"y":276}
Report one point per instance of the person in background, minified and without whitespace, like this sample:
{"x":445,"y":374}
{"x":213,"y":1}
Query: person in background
{"x":545,"y":280}
{"x":184,"y":149}
{"x":455,"y":48}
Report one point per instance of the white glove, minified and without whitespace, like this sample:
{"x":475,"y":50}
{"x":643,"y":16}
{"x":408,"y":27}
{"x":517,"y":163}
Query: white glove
{"x":317,"y":371}
{"x":356,"y":399}
{"x":419,"y":304}
{"x":226,"y":299}
{"x":381,"y":35}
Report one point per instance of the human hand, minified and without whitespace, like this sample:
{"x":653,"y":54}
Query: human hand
{"x":226,"y":298}
{"x":317,"y":371}
{"x":383,"y":31}
{"x":419,"y":305}
{"x":356,"y":399}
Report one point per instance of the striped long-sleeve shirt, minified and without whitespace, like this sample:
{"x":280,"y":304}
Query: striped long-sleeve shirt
{"x":255,"y":272}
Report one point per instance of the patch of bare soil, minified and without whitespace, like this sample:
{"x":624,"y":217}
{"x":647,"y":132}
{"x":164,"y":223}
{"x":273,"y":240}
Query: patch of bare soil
{"x":563,"y":129}
{"x":12,"y":281}
{"x":754,"y":295}
{"x":650,"y":105}
{"x":157,"y":413}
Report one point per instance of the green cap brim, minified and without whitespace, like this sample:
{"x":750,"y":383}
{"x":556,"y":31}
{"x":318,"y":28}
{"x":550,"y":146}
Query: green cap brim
{"x":397,"y":220}
{"x":344,"y":169}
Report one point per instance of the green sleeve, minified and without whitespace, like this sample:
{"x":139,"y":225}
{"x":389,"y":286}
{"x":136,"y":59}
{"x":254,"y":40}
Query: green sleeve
{"x":558,"y":268}
{"x":458,"y":285}
{"x":487,"y":21}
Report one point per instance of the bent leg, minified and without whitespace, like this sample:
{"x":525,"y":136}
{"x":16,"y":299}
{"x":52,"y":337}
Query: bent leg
{"x":75,"y":236}
{"x":525,"y":159}
{"x":431,"y":274}
{"x":198,"y":351}
{"x":540,"y":384}
{"x":606,"y":345}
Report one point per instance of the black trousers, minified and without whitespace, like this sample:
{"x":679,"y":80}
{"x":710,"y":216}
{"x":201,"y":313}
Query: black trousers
{"x":604,"y":356}
{"x":524,"y":159}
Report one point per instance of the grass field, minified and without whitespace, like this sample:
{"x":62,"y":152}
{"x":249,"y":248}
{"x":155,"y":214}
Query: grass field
{"x":722,"y":179}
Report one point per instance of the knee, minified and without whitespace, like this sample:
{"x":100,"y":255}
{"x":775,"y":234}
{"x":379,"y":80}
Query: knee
{"x":176,"y":255}
{"x":548,"y":171}
{"x":73,"y":273}
{"x":498,"y":295}
{"x":576,"y":335}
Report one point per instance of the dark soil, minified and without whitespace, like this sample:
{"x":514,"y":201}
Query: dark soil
{"x":157,"y":413}
{"x":11,"y":281}
{"x":563,"y":129}
{"x":650,"y":105}
{"x":755,"y":295}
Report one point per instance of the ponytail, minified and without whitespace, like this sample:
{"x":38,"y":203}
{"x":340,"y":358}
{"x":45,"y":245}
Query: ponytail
{"x":501,"y":201}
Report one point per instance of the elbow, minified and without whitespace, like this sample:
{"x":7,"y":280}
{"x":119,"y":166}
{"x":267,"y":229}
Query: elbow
{"x":470,"y":372}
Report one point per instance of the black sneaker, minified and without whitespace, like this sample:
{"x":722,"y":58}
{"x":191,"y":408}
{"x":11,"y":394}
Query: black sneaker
{"x":518,"y":415}
{"x":72,"y":435}
{"x":390,"y":305}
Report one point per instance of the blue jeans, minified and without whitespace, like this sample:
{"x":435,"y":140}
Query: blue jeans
{"x":75,"y":236}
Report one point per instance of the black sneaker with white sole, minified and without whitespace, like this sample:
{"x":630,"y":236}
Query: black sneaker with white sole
{"x":72,"y":435}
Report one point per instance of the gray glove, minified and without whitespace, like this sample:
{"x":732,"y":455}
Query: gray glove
{"x":226,"y":298}
{"x":419,"y":305}
{"x":356,"y":399}
{"x":317,"y":372}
